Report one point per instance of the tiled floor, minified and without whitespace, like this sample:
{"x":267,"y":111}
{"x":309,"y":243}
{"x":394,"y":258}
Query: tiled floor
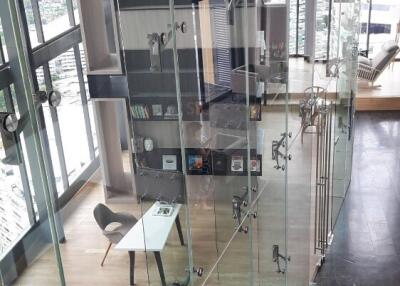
{"x":366,"y":246}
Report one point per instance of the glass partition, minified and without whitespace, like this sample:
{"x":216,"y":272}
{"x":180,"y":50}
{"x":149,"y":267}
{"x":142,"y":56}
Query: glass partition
{"x":211,"y":164}
{"x":346,"y":90}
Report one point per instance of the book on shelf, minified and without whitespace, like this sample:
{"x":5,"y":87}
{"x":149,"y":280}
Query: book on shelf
{"x":140,"y":111}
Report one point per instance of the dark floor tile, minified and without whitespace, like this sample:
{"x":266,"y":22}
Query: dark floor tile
{"x":366,"y":245}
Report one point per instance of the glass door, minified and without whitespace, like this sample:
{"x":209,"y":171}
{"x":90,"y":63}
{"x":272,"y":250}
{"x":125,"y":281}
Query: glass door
{"x":218,"y":91}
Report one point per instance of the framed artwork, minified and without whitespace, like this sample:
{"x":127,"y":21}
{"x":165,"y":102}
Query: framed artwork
{"x":195,"y":162}
{"x":169,"y":162}
{"x":237,"y":164}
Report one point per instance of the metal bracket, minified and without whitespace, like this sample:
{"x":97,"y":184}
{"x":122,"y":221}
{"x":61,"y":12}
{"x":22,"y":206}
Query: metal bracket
{"x":276,"y":257}
{"x":155,"y":52}
{"x":237,"y":203}
{"x":158,"y":42}
{"x":276,"y":153}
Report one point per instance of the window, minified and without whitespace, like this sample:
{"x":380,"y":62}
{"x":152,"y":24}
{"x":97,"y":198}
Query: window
{"x":321,"y":29}
{"x":64,"y":76}
{"x":297,"y":27}
{"x":385,"y":15}
{"x":54,"y":16}
{"x":382,"y":27}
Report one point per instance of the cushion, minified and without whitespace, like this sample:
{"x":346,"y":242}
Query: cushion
{"x":388,"y":50}
{"x":390,"y":46}
{"x":364,"y":60}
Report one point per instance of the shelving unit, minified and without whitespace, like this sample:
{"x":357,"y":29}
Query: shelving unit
{"x":100,"y":36}
{"x":149,"y":88}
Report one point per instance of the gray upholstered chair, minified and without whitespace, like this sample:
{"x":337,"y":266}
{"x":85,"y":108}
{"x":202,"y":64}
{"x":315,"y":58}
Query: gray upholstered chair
{"x":370,"y":70}
{"x":104,"y":217}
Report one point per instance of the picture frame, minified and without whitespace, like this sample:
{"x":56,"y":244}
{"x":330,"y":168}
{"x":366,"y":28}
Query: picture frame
{"x":237,"y":163}
{"x":169,"y":162}
{"x":195,"y":162}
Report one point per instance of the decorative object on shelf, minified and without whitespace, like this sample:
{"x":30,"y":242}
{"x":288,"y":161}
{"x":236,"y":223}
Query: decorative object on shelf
{"x":169,"y":162}
{"x":171,"y":112}
{"x":255,"y":165}
{"x":195,"y":162}
{"x":138,"y":144}
{"x":148,"y":144}
{"x":237,"y":164}
{"x":255,"y":112}
{"x":156,"y":110}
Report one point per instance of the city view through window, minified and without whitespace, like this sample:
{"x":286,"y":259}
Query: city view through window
{"x":14,"y":220}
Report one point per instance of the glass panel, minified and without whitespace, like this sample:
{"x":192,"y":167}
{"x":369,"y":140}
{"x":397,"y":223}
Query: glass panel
{"x":54,"y":16}
{"x":232,"y":267}
{"x":155,"y":112}
{"x":272,"y":143}
{"x":346,"y":88}
{"x":70,"y":113}
{"x":23,"y":214}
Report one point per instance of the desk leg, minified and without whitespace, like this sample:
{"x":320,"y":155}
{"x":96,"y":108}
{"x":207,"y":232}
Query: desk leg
{"x":160,"y":267}
{"x":132,"y":268}
{"x":178,"y":226}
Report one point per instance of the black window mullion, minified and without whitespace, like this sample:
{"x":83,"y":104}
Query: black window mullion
{"x":38,"y":21}
{"x":56,"y":130}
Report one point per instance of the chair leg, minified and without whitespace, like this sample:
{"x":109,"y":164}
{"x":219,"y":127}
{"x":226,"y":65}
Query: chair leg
{"x":105,"y":255}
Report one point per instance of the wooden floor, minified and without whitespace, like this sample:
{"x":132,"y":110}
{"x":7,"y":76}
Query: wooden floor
{"x":384,"y":95}
{"x":212,"y":227}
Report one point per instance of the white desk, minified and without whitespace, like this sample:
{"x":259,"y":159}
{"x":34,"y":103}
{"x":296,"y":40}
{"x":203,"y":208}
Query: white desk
{"x":150,"y":233}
